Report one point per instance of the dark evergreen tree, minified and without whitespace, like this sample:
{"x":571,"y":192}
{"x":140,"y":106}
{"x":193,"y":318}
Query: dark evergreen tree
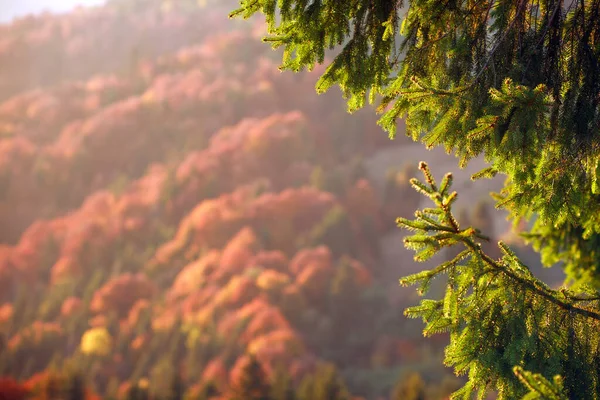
{"x":252,"y":384}
{"x":344,"y":298}
{"x":516,"y":81}
{"x":350,"y":334}
{"x":177,"y":387}
{"x":282,"y":387}
{"x":334,"y":231}
{"x":306,"y":388}
{"x":410,"y":387}
{"x":138,"y":391}
{"x":328,"y":385}
{"x":317,"y":178}
{"x":53,"y":387}
{"x":207,"y":391}
{"x":76,"y":387}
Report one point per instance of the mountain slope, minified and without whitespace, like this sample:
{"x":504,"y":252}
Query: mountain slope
{"x":171,"y":203}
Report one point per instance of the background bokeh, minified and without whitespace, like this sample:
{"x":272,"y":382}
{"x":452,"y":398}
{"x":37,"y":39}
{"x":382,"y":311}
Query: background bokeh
{"x":177,"y":216}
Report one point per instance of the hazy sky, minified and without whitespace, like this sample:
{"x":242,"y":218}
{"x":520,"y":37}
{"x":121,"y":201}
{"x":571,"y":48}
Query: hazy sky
{"x":16,"y":8}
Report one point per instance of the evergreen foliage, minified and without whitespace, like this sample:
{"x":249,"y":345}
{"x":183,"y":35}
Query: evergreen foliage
{"x":253,"y":383}
{"x":207,"y":391}
{"x":498,"y":314}
{"x":410,"y":388}
{"x":329,"y":385}
{"x":76,"y":387}
{"x":131,"y":268}
{"x":282,"y":387}
{"x":177,"y":387}
{"x":306,"y":388}
{"x":138,"y":391}
{"x":344,"y":303}
{"x":333,"y":231}
{"x":516,"y":81}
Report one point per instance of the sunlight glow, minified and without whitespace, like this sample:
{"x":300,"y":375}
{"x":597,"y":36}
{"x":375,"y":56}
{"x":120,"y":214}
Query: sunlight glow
{"x":10,"y":9}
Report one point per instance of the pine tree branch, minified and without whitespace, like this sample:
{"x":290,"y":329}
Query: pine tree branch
{"x":453,"y":231}
{"x":505,"y":298}
{"x":539,"y":291}
{"x":520,"y":8}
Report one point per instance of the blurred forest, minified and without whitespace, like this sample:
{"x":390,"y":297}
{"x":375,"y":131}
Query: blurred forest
{"x":178,"y":219}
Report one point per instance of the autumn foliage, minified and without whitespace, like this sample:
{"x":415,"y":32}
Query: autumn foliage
{"x":171,"y":202}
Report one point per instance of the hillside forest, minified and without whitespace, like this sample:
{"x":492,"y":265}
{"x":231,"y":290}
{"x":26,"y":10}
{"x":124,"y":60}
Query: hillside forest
{"x":178,"y":219}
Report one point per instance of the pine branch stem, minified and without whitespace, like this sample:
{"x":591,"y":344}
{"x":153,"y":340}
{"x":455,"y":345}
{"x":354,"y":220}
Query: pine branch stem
{"x":531,"y":287}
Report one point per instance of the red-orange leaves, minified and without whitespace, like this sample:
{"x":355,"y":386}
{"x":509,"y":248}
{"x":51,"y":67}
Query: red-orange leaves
{"x":195,"y":275}
{"x":274,"y":260}
{"x":272,"y":281}
{"x":319,"y":255}
{"x":315,"y":279}
{"x":237,"y":292}
{"x":35,"y":345}
{"x":12,"y":390}
{"x":119,"y":294}
{"x":70,"y":306}
{"x":362,"y":276}
{"x":216,"y":372}
{"x":237,"y":254}
{"x":266,"y":320}
{"x":6,"y":313}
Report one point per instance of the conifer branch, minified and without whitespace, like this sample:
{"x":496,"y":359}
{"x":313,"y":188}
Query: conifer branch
{"x":474,"y":269}
{"x":466,"y":236}
{"x":550,"y":295}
